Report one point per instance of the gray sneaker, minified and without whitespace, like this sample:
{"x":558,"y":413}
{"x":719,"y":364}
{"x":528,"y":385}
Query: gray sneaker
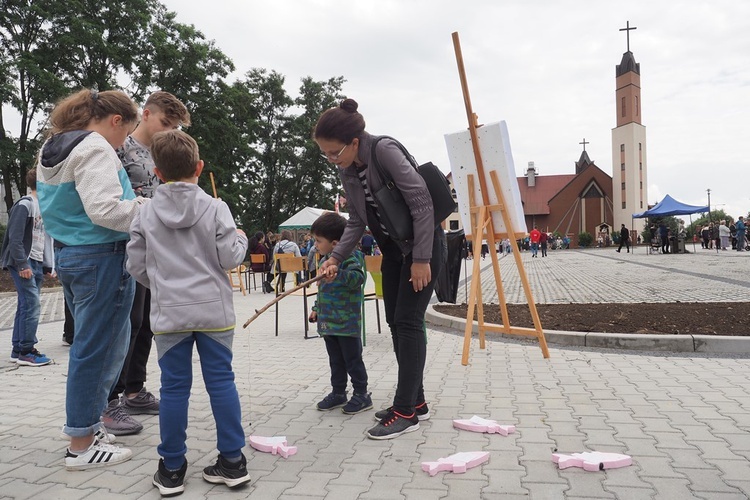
{"x":117,"y":421}
{"x":143,"y":403}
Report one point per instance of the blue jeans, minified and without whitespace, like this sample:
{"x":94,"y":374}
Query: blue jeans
{"x":534,"y":248}
{"x":27,"y":308}
{"x":99,"y":292}
{"x":175,"y":352}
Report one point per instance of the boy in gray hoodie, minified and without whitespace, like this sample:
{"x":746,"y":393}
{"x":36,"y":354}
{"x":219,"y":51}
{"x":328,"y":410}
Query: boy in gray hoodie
{"x":181,"y":245}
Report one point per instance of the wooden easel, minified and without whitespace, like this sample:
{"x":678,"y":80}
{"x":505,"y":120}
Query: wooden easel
{"x":482,"y":226}
{"x":238,"y":269}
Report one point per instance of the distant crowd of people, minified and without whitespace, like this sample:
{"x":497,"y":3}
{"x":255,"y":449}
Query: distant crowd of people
{"x":535,"y":242}
{"x":724,"y":235}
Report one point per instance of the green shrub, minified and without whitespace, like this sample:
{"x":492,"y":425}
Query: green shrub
{"x":585,"y":239}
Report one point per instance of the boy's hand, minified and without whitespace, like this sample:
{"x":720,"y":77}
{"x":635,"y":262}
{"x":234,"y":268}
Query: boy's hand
{"x":329,"y":272}
{"x":26,"y":273}
{"x":313,"y":317}
{"x":331,"y":261}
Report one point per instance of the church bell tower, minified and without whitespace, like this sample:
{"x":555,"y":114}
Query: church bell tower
{"x":629,"y":159}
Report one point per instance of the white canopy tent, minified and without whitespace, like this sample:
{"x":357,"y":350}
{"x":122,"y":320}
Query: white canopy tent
{"x":304,"y":218}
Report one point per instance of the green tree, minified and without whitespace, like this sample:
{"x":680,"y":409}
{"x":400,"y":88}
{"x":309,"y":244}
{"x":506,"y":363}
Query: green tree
{"x":51,"y":48}
{"x":716,"y":215}
{"x":316,"y":177}
{"x":29,"y":61}
{"x":103,"y":40}
{"x":286,"y":172}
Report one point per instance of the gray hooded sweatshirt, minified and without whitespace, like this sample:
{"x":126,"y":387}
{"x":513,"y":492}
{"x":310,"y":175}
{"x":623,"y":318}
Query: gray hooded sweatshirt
{"x":181,"y":245}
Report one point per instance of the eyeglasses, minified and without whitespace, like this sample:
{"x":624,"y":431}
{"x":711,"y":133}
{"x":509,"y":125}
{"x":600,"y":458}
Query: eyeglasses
{"x":335,"y":157}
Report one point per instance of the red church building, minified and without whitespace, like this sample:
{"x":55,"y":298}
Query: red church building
{"x":568,"y":204}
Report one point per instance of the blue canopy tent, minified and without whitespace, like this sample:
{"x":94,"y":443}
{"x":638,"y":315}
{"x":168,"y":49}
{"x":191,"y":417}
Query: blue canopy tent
{"x":670,"y":206}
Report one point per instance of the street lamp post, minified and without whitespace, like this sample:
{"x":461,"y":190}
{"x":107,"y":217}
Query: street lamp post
{"x":708,"y":192}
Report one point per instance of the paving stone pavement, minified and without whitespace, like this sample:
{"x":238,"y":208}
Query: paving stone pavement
{"x":685,"y":419}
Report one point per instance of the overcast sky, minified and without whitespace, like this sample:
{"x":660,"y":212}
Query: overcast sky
{"x":546,"y":67}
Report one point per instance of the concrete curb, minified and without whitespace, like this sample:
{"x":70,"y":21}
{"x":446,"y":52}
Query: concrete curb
{"x":639,"y":342}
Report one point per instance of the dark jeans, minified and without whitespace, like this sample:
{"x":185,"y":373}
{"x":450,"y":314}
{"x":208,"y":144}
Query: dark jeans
{"x":345,"y":357}
{"x":69,"y":325}
{"x":133,"y":373}
{"x":404,"y":312}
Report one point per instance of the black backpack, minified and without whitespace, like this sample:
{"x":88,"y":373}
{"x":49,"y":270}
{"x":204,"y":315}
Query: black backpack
{"x":280,"y":250}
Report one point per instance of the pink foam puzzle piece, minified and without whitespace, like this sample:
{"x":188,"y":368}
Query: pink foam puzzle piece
{"x":592,"y":460}
{"x":275,"y":445}
{"x":456,"y":463}
{"x":479,"y":424}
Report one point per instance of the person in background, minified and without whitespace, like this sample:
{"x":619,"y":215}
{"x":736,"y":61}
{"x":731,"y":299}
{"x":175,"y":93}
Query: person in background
{"x":286,"y":245}
{"x":68,"y":327}
{"x":87,"y":204}
{"x":740,"y":227}
{"x":257,"y":246}
{"x":367,"y":243}
{"x":624,"y":238}
{"x":543,"y":243}
{"x":724,"y":235}
{"x":534,"y":237}
{"x":664,"y":237}
{"x":28,"y":255}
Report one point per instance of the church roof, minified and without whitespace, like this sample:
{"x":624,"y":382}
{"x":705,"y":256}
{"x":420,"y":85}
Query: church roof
{"x":583,"y":161}
{"x":536,"y":198}
{"x":627,"y":64}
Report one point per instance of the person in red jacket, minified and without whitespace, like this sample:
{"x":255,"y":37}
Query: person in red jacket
{"x":535,"y":236}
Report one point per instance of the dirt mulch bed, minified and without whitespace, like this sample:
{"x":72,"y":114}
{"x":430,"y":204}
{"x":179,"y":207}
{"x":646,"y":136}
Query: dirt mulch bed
{"x":6,"y":282}
{"x":683,"y":318}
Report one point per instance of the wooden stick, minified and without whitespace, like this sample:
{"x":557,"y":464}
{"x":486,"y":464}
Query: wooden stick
{"x":213,"y":184}
{"x":260,"y":311}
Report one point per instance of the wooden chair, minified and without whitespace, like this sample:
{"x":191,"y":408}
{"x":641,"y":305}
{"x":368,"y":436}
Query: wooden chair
{"x":372,"y":265}
{"x":289,"y":263}
{"x":276,"y":270}
{"x":256,"y":258}
{"x":238,"y":271}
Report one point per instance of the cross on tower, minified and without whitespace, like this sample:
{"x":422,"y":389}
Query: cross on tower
{"x":627,"y":32}
{"x":584,"y":143}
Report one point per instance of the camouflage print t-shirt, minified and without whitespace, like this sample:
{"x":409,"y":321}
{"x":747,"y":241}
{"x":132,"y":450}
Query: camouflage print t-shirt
{"x":137,"y":162}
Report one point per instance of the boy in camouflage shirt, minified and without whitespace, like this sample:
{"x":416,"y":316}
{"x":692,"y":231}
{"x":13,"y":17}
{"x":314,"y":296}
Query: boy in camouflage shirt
{"x":338,"y":312}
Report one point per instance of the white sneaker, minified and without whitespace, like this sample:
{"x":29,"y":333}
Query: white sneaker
{"x":100,"y":434}
{"x":97,"y":455}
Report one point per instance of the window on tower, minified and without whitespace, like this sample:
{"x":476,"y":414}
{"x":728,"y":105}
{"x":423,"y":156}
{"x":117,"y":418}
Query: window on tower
{"x":622,"y":166}
{"x":637,"y":106}
{"x":622,"y":148}
{"x":623,"y":205}
{"x":623,"y":186}
{"x":622,"y":105}
{"x":640,"y":165}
